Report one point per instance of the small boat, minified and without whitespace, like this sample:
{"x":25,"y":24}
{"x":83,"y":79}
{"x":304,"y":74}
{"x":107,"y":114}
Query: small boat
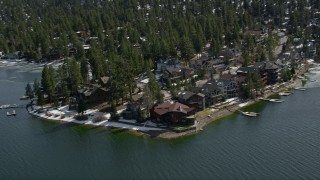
{"x":264,"y":99}
{"x":285,"y":93}
{"x":300,"y":77}
{"x":4,"y":106}
{"x":250,"y":114}
{"x":300,"y":89}
{"x":313,"y":80}
{"x":11,"y":114}
{"x":276,"y":100}
{"x":24,"y":97}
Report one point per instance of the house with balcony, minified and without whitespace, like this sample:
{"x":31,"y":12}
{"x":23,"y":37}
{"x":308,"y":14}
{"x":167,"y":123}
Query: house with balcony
{"x":219,"y":90}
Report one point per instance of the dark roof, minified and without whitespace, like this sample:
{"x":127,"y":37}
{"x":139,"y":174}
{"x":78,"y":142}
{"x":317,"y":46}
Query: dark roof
{"x":185,"y":95}
{"x":259,"y":65}
{"x":88,"y":91}
{"x":166,"y":107}
{"x":210,"y":86}
{"x":224,"y":82}
{"x":195,"y":89}
{"x":173,"y":70}
{"x":213,"y":62}
{"x":240,"y":79}
{"x":204,"y":57}
{"x":227,"y":77}
{"x":271,"y":66}
{"x":247,"y":70}
{"x":266,"y":65}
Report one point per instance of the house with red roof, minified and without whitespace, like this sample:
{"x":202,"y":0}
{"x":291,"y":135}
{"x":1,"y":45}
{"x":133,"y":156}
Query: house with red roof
{"x":172,"y":113}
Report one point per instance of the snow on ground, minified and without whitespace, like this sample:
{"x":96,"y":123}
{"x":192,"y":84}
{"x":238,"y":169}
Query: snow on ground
{"x":243,"y":104}
{"x":127,"y":121}
{"x":62,"y":114}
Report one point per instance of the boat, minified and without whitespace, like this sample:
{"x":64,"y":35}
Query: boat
{"x":276,"y":100}
{"x":11,"y":114}
{"x":299,"y":88}
{"x":300,"y":77}
{"x":313,"y":80}
{"x":285,"y":93}
{"x":250,"y":114}
{"x":4,"y":106}
{"x":24,"y":97}
{"x":264,"y":99}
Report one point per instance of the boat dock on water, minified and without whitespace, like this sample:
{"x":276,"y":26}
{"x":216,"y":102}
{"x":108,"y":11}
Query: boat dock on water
{"x":7,"y":106}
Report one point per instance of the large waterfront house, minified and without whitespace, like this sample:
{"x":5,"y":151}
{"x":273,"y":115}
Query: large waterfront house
{"x":172,"y":113}
{"x":269,"y":72}
{"x":212,"y":92}
{"x":196,"y":100}
{"x":218,"y":90}
{"x":93,"y":94}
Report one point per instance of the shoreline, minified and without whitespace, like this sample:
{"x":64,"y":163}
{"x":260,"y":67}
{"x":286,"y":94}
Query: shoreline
{"x":156,"y":132}
{"x":162,"y":133}
{"x":231,"y":109}
{"x":224,"y":112}
{"x":121,"y":124}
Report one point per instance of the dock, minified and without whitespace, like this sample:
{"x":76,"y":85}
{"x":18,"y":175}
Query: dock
{"x":8,"y":106}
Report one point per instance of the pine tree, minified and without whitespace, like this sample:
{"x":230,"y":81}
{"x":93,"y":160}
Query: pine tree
{"x":155,"y":89}
{"x":84,"y":68}
{"x":81,"y":106}
{"x":36,"y":87}
{"x":29,"y":91}
{"x":187,"y":50}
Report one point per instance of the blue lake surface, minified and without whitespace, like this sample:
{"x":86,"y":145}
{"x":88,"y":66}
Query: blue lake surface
{"x":282,"y":143}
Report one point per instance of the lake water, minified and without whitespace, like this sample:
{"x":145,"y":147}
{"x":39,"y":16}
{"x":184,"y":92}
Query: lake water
{"x":282,"y":143}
